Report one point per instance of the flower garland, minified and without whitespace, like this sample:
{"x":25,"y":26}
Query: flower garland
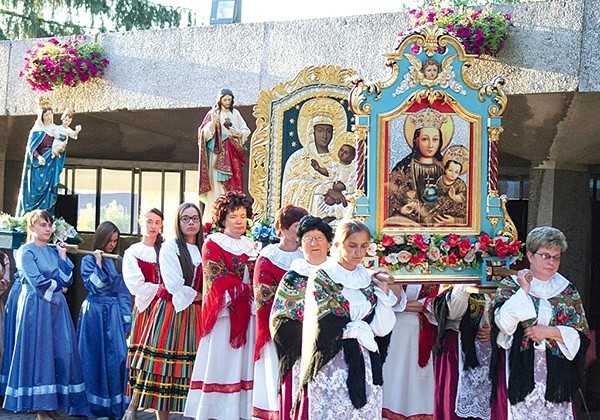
{"x":423,"y":251}
{"x":69,"y":63}
{"x":481,"y":31}
{"x":62,"y":231}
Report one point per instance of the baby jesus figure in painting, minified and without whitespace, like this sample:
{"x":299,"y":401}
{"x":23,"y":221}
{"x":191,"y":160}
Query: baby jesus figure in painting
{"x":452,"y":191}
{"x":334,"y":201}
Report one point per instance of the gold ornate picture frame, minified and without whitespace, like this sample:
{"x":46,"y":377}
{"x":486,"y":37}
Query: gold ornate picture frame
{"x":283,"y":145}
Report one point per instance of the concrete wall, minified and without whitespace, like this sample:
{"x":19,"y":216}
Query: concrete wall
{"x":553,"y":48}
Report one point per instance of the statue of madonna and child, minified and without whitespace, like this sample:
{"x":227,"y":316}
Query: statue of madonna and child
{"x":44,"y":159}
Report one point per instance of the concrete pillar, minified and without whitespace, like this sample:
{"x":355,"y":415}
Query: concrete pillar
{"x":559,"y":197}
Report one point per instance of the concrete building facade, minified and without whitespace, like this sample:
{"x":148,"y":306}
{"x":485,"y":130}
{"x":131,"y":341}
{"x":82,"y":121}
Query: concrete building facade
{"x":159,"y":84}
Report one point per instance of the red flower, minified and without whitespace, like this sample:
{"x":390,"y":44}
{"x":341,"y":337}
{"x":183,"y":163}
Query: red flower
{"x":382,"y":260}
{"x":485,"y":241}
{"x":501,"y":248}
{"x":420,"y":242}
{"x":450,"y":259}
{"x":418,"y":258}
{"x":463,"y":247}
{"x":387,"y":240}
{"x":514,"y":247}
{"x":453,"y":240}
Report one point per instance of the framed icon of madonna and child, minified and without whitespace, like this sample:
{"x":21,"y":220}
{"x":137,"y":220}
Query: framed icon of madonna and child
{"x":432,"y":168}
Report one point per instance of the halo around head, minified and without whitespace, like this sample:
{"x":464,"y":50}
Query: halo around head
{"x":429,"y":118}
{"x":346,"y":137}
{"x":458,"y":154}
{"x":321,"y":111}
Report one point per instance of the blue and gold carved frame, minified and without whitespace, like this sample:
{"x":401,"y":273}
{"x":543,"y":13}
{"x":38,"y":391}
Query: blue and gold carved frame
{"x":404,"y":188}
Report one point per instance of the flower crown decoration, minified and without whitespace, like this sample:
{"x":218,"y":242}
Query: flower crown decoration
{"x":68,"y":63}
{"x":481,"y":31}
{"x":425,"y":252}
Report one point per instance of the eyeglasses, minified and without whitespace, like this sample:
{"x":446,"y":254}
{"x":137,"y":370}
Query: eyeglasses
{"x":188,"y":219}
{"x":309,"y":239}
{"x":546,"y":257}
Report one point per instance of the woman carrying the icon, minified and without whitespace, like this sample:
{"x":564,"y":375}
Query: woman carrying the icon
{"x":104,"y":322}
{"x":287,"y":313}
{"x":540,"y":320}
{"x":347,"y":313}
{"x":45,"y":373}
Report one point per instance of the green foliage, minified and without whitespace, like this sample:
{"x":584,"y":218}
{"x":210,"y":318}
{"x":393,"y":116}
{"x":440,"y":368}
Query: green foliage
{"x":86,"y":219}
{"x":45,"y":18}
{"x":117,"y":214}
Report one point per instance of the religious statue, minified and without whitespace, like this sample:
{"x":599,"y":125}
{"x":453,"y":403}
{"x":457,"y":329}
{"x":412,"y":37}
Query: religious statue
{"x":221,"y":142}
{"x":44,"y":159}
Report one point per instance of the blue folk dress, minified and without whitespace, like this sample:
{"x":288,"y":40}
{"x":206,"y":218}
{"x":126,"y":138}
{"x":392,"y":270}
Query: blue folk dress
{"x":45,"y":373}
{"x":10,"y":329}
{"x":104,"y":319}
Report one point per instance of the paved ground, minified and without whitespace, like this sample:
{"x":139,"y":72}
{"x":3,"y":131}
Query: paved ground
{"x":142,"y":415}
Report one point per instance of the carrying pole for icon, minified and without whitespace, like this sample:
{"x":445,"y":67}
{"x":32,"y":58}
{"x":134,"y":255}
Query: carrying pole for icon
{"x":74,"y":249}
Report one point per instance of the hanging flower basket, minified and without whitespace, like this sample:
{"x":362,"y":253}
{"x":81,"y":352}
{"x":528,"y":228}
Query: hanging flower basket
{"x":481,"y":31}
{"x":69,"y":63}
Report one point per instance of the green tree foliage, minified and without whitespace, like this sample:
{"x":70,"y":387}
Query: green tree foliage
{"x":43,"y":18}
{"x":117,"y":214}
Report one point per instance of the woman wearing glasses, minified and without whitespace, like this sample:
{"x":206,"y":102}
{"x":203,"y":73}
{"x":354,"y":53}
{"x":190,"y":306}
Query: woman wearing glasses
{"x":346,"y":309}
{"x":272,"y":263}
{"x":541,"y":321}
{"x":287,"y":313}
{"x":222,"y":380}
{"x":166,"y":354}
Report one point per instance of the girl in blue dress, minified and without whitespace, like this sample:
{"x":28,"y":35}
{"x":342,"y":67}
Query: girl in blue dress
{"x":45,"y":374}
{"x":104,"y":322}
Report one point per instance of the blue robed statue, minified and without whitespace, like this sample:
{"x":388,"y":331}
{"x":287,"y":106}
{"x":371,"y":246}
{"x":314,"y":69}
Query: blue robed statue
{"x":44,"y":160}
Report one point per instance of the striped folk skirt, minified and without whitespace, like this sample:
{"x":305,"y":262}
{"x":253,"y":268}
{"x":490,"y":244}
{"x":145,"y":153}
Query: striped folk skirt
{"x":162,"y":365}
{"x":138,"y":324}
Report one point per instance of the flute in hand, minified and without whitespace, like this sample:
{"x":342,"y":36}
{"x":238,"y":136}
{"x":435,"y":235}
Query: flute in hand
{"x":74,"y":249}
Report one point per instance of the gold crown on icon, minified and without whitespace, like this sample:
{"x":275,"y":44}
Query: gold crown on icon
{"x":458,"y":154}
{"x":428,"y":118}
{"x":322,"y":110}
